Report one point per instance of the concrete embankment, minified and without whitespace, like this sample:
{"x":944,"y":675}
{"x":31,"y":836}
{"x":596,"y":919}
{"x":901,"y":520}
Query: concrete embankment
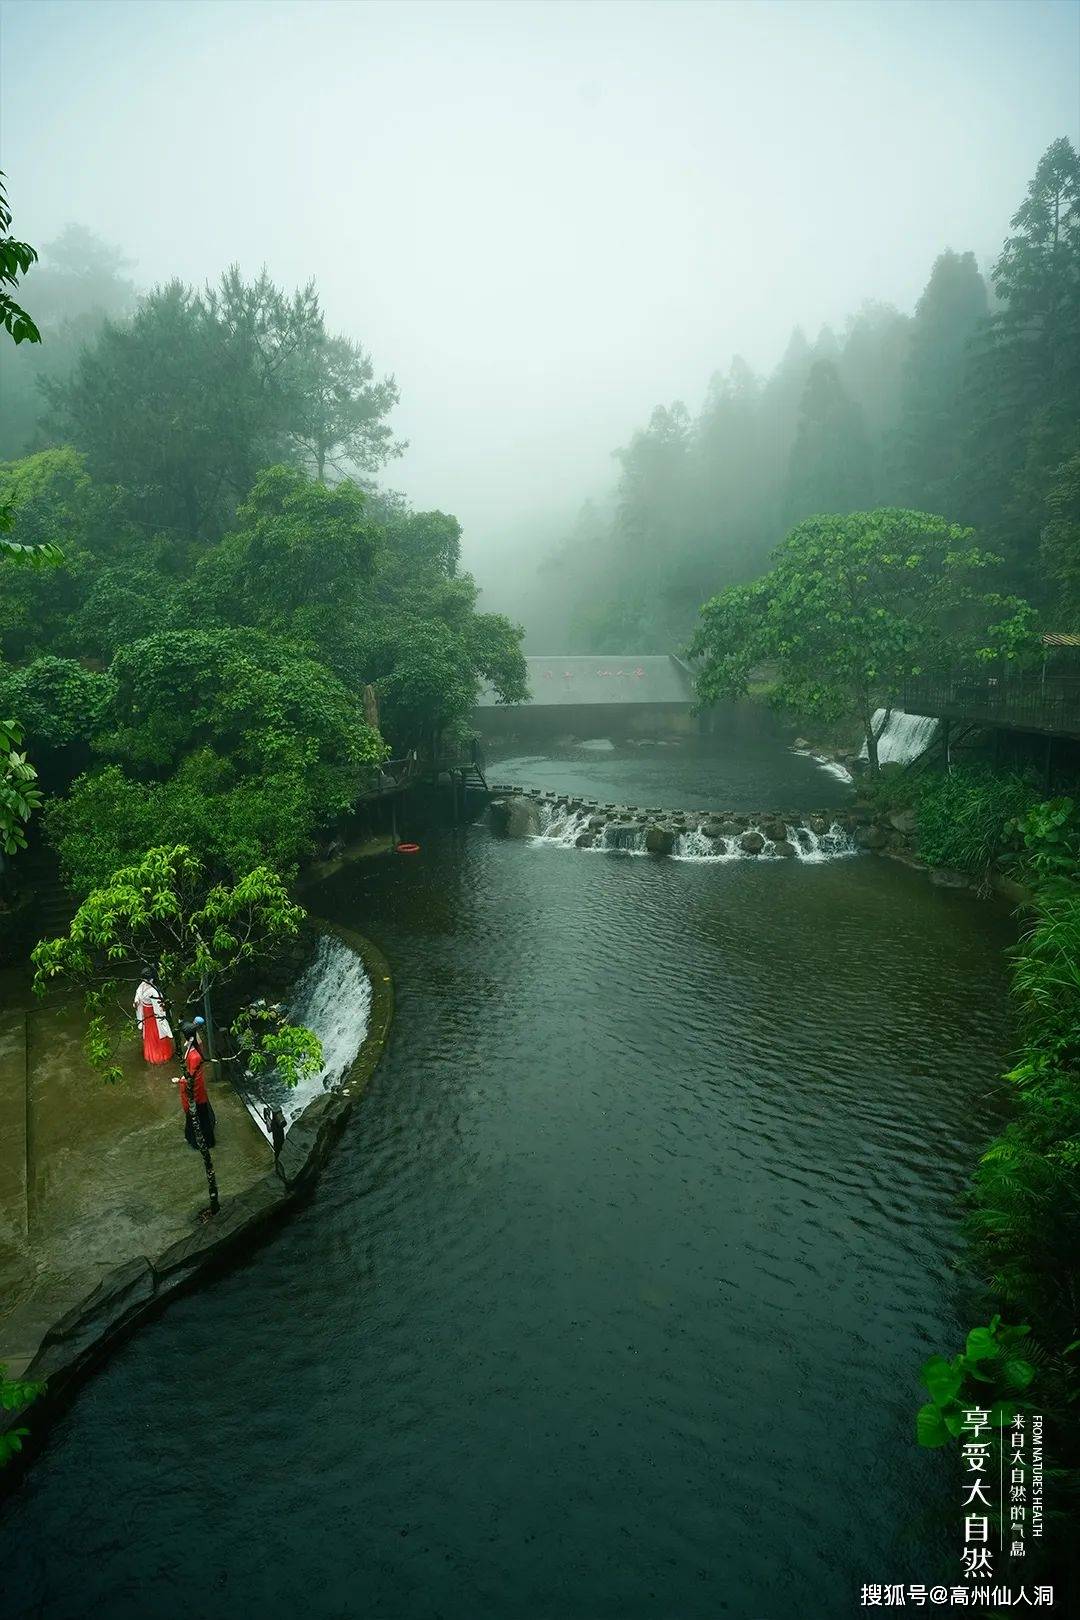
{"x":100,"y":1219}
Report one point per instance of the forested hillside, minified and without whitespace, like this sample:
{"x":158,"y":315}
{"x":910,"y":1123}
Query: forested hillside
{"x":192,"y":669}
{"x":969,"y":408}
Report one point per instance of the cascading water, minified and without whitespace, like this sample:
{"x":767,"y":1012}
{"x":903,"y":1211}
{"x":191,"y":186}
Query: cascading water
{"x":333,"y":999}
{"x":562,"y":826}
{"x":905,"y":737}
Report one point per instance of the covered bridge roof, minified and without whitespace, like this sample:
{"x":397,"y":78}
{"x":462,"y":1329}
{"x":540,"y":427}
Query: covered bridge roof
{"x":560,"y":682}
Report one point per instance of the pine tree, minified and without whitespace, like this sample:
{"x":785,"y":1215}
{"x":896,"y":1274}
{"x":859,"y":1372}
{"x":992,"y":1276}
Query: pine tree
{"x":1024,"y":391}
{"x":930,"y":436}
{"x":830,"y":466}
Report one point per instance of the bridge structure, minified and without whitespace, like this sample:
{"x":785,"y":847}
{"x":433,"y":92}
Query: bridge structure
{"x":1042,"y":703}
{"x":579,"y":692}
{"x":1049,"y":705}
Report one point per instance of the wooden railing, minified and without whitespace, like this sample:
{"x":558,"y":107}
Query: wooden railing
{"x":1049,"y":704}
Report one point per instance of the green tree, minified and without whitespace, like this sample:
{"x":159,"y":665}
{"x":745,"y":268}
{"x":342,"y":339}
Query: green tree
{"x":76,"y":285}
{"x":852,"y":606}
{"x":20,"y":795}
{"x":61,"y":706}
{"x":951,"y":310}
{"x":15,"y":260}
{"x":298,"y":559}
{"x":230,"y":741}
{"x":235,"y":820}
{"x":163,"y":910}
{"x":1060,"y":547}
{"x":1023,"y":397}
{"x":338,"y":425}
{"x":188,"y":401}
{"x":830,"y":467}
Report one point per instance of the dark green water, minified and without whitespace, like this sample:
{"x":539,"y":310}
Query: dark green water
{"x":611,"y":1301}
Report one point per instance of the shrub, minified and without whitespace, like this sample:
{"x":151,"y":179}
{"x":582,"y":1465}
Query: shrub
{"x":967,"y":817}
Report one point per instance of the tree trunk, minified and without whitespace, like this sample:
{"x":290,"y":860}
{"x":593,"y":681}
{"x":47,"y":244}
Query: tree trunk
{"x":871,"y":739}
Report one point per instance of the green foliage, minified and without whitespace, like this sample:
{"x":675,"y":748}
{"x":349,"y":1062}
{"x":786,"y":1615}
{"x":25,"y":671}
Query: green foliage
{"x":188,"y":400}
{"x":51,"y":499}
{"x":1023,"y":394}
{"x":851,"y":607}
{"x":1024,"y":1220}
{"x":15,"y":1393}
{"x":298,"y":551}
{"x":58,"y":701}
{"x":231,"y":742}
{"x":235,"y":821}
{"x":830,"y":466}
{"x":247,"y":695}
{"x":19,"y":794}
{"x":1050,"y":834}
{"x":967,"y":817}
{"x":15,"y":260}
{"x":269,"y":1045}
{"x":990,"y":1375}
{"x":1060,"y":548}
{"x":162,"y":909}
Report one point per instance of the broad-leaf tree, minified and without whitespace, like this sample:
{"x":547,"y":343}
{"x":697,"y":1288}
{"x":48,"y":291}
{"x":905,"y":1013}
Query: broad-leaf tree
{"x":15,"y":260}
{"x":163,"y":909}
{"x":851,"y":607}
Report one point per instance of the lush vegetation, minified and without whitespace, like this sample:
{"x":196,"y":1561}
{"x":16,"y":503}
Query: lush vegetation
{"x":165,"y":910}
{"x":192,"y":670}
{"x":970,"y":818}
{"x":853,"y":605}
{"x":1024,"y":1217}
{"x":969,"y":408}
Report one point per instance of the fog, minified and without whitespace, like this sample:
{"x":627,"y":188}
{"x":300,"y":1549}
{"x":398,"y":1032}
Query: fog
{"x":542,"y":218}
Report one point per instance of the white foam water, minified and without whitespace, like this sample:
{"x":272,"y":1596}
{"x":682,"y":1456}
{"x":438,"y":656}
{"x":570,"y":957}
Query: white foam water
{"x":831,"y":767}
{"x":561,"y":827}
{"x":905,"y":737}
{"x":333,"y":999}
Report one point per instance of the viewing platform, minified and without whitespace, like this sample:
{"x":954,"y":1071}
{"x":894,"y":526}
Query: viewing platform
{"x":1045,"y":704}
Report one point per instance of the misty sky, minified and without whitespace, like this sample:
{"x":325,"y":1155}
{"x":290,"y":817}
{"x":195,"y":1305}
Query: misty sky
{"x":543,"y":218}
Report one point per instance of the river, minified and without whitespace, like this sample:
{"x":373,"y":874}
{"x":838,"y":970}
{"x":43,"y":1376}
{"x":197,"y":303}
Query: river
{"x":612,"y":1299}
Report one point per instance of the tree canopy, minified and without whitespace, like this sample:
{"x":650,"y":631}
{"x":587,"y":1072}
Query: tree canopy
{"x":852,"y":606}
{"x":164,"y":911}
{"x":961,"y":409}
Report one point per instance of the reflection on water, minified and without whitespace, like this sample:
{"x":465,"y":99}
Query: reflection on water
{"x":741,"y":772}
{"x":612,"y":1300}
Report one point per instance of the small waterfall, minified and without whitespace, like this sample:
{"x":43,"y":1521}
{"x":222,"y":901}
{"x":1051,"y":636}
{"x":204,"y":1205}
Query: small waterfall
{"x":697,"y":846}
{"x":332,"y":998}
{"x":832,"y":767}
{"x":905,"y":737}
{"x":562,"y":826}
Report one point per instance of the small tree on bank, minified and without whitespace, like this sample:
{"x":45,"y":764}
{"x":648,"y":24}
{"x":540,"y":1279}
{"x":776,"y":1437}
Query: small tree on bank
{"x":162,"y":910}
{"x":851,"y":608}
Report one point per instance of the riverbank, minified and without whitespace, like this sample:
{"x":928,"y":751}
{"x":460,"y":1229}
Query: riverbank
{"x":101,"y":1217}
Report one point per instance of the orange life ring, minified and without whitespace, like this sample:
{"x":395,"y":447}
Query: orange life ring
{"x":408,"y":849}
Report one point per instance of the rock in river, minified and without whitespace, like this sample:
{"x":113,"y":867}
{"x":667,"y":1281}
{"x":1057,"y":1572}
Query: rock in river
{"x":752,"y":843}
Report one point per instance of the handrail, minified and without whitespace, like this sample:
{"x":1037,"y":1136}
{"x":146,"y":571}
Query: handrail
{"x":1036,"y":702}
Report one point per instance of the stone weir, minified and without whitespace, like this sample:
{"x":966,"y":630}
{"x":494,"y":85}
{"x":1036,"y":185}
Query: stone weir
{"x":572,"y":822}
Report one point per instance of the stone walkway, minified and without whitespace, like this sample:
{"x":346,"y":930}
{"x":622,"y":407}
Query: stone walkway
{"x":93,"y":1175}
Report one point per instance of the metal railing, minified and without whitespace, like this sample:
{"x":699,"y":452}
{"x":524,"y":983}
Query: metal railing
{"x":1048,"y":703}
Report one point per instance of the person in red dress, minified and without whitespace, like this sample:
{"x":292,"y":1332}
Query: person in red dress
{"x":195,"y":1067}
{"x":153,"y":1022}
